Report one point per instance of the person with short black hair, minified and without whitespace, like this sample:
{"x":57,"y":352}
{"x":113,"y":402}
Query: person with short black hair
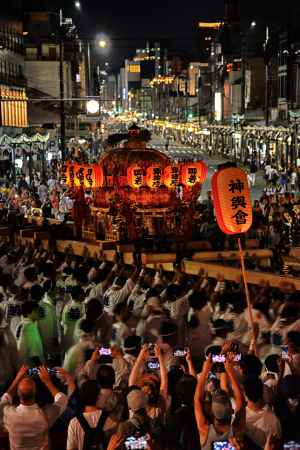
{"x":260,"y":419}
{"x":92,"y":427}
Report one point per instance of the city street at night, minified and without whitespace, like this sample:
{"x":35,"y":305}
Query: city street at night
{"x":149,"y":225}
{"x":181,"y":152}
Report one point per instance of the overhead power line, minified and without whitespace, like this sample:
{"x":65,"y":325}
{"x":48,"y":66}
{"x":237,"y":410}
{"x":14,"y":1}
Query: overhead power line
{"x":55,"y":99}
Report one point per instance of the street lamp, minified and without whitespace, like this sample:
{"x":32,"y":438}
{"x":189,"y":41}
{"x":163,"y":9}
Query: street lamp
{"x":77,"y":5}
{"x":92,"y":107}
{"x":102,"y":43}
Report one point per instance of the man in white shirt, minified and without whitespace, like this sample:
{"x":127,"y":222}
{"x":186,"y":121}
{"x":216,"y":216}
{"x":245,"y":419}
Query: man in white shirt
{"x":65,"y":206}
{"x":27,"y":423}
{"x":153,"y":316}
{"x":260,"y":419}
{"x":143,"y":290}
{"x":92,"y":418}
{"x":118,"y":293}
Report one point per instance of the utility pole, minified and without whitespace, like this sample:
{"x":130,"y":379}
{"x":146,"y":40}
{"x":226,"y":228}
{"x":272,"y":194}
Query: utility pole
{"x":243,"y":73}
{"x":62,"y":90}
{"x":89,"y":71}
{"x":267,"y":78}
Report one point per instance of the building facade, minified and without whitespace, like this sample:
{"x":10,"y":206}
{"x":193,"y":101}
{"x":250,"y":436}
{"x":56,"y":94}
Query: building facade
{"x":13,"y":112}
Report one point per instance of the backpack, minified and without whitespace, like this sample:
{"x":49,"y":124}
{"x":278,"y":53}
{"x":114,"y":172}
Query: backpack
{"x":94,"y":438}
{"x":188,"y":436}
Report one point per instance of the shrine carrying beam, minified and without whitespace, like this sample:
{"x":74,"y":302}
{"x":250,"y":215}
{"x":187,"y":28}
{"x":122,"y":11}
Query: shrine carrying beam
{"x":262,"y":254}
{"x":234,"y":274}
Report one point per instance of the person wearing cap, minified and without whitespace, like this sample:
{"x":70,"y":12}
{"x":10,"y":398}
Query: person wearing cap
{"x":155,"y":390}
{"x":138,"y":423}
{"x":136,"y":400}
{"x":222,"y":428}
{"x":153,"y":317}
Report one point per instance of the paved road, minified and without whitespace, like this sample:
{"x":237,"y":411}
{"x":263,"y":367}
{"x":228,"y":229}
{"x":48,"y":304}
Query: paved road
{"x":179,"y":151}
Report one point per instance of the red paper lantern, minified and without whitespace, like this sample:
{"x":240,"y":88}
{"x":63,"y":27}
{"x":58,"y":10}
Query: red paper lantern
{"x":172,"y":176}
{"x":135,"y":176}
{"x":194,"y":173}
{"x":88,"y":176}
{"x":154,"y":177}
{"x":93,"y":176}
{"x":232,"y":200}
{"x":79,"y":175}
{"x":64,"y":174}
{"x":71,"y":174}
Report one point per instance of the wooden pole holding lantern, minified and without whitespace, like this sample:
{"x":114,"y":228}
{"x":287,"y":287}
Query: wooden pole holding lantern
{"x":245,"y":278}
{"x":232,"y":203}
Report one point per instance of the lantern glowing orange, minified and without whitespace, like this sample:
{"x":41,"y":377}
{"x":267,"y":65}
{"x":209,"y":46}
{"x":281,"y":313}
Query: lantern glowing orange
{"x":232,"y":200}
{"x":154,"y":177}
{"x":71,"y":174}
{"x":135,"y":176}
{"x":193,"y":173}
{"x":88,"y":176}
{"x":93,"y":176}
{"x":172,"y":176}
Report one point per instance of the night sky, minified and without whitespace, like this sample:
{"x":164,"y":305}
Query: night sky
{"x":129,"y":23}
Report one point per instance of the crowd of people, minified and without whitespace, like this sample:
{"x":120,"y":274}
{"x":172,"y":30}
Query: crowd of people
{"x":99,"y":355}
{"x":44,"y":196}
